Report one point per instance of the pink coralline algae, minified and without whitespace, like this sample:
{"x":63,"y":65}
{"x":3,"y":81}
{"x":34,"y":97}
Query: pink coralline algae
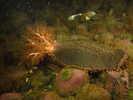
{"x":117,"y":83}
{"x":101,"y":93}
{"x":125,"y":42}
{"x":10,"y":96}
{"x":76,"y":80}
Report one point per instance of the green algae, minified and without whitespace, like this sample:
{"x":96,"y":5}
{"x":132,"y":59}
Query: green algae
{"x":130,"y":92}
{"x":66,"y":74}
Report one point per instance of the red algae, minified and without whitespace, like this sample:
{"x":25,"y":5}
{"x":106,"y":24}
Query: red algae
{"x":38,"y":43}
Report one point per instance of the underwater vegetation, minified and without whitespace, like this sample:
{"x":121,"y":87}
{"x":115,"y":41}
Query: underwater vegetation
{"x":106,"y":38}
{"x":9,"y":81}
{"x":130,"y":92}
{"x":118,"y":30}
{"x":75,"y":78}
{"x":100,"y":27}
{"x":91,"y":92}
{"x":38,"y":43}
{"x":66,"y":74}
{"x":127,"y":36}
{"x":81,"y":30}
{"x":61,"y":33}
{"x":94,"y":4}
{"x":130,"y":15}
{"x":10,"y":48}
{"x":92,"y":36}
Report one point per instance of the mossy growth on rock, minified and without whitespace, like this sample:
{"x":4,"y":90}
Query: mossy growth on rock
{"x":100,"y":80}
{"x":127,"y":36}
{"x":14,"y":99}
{"x":100,"y":27}
{"x":91,"y":92}
{"x":66,"y":74}
{"x":130,"y":92}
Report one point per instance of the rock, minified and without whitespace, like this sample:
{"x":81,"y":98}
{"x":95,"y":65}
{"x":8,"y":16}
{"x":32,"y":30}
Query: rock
{"x":54,"y":66}
{"x":125,"y":42}
{"x":15,"y":72}
{"x":99,"y":94}
{"x":117,"y":83}
{"x":49,"y":96}
{"x":75,"y":79}
{"x":18,"y":74}
{"x":10,"y":96}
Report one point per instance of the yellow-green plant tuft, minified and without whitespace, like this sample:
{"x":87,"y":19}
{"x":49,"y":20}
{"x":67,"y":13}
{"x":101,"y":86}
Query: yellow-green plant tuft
{"x":66,"y":74}
{"x":127,"y":36}
{"x":130,"y":92}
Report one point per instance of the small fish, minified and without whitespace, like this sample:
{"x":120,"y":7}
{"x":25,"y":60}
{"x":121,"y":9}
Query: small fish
{"x":86,"y":15}
{"x":87,"y":18}
{"x":72,"y":17}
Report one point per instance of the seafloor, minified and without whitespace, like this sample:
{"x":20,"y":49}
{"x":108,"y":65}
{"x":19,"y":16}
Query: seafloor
{"x":66,"y":49}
